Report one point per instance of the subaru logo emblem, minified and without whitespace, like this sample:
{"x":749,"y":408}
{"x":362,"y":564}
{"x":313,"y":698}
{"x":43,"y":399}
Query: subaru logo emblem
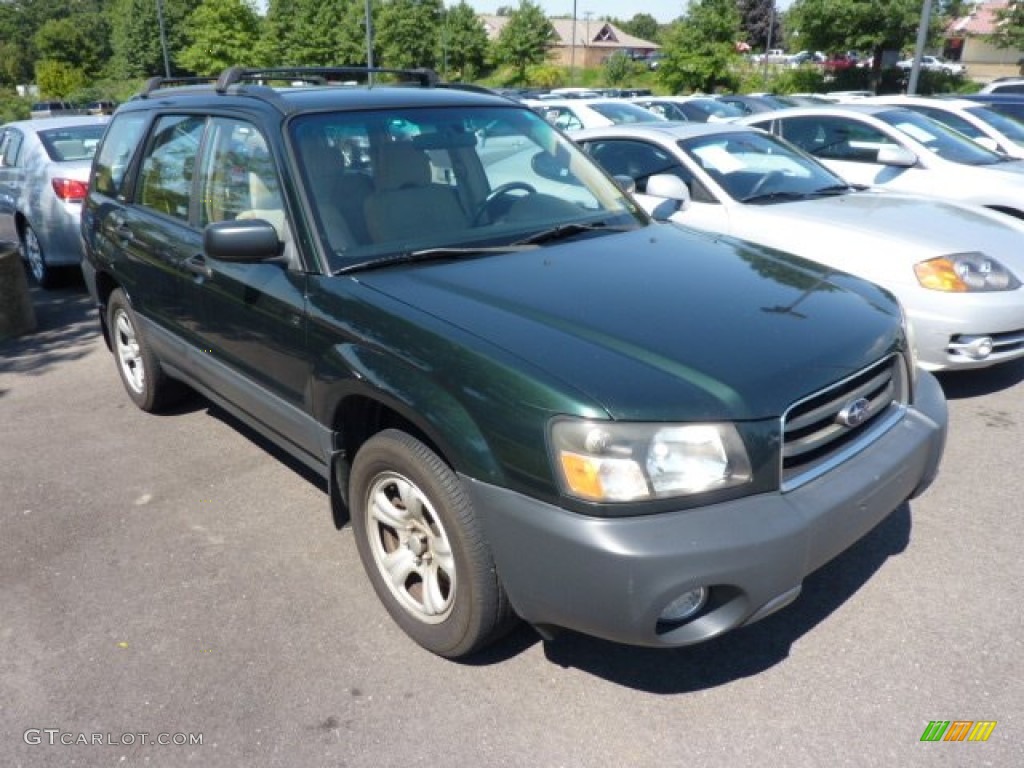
{"x":855,"y":413}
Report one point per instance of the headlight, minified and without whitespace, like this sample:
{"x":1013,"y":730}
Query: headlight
{"x":962,"y":272}
{"x":609,"y":462}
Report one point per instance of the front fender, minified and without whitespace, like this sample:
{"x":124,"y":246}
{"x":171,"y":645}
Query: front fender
{"x":355,"y":371}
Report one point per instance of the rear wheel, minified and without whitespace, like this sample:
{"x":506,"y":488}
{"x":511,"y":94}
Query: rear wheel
{"x":32,"y":251}
{"x":422,"y":547}
{"x":144,"y":380}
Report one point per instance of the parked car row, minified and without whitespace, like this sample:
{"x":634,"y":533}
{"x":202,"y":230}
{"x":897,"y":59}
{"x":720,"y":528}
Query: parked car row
{"x":924,"y":196}
{"x":956,"y":269}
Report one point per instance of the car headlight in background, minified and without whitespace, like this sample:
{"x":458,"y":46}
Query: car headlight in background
{"x":965,"y":272}
{"x":617,"y":462}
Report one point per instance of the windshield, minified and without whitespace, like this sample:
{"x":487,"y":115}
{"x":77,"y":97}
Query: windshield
{"x":1008,"y":126}
{"x":939,"y":139}
{"x":758,"y":167}
{"x":624,"y":112}
{"x":384,"y":183}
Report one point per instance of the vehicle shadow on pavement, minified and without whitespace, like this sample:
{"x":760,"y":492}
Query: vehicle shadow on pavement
{"x":66,"y":329}
{"x":959,"y":385}
{"x":746,"y":651}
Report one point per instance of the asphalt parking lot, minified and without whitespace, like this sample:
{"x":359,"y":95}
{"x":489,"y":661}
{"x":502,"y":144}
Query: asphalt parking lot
{"x":174,"y":579}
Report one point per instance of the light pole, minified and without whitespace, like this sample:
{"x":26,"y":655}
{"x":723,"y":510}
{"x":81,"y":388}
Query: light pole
{"x":163,"y":37}
{"x":443,"y":12}
{"x":572,"y":48}
{"x":768,"y":42}
{"x":369,"y":39}
{"x":922,"y":38}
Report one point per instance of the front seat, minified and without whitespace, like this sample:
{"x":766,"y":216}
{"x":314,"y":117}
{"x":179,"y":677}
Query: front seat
{"x":406,"y":203}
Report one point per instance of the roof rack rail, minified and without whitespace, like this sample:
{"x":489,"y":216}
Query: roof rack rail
{"x":426,"y":78}
{"x":154,"y":83}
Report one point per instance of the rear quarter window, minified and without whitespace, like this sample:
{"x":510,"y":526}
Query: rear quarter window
{"x":116,"y":152}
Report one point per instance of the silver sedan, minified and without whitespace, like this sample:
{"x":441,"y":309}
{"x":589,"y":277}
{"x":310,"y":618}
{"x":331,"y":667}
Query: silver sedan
{"x":958,"y":270}
{"x":44,"y":174}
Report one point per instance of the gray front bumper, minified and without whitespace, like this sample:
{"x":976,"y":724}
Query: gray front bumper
{"x":611,"y":578}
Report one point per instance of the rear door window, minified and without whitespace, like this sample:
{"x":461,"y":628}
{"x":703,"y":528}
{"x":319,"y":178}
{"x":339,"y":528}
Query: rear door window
{"x":115,"y":155}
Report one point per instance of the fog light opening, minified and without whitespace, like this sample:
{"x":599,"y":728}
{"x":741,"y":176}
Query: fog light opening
{"x":684,"y":607}
{"x":980,"y":348}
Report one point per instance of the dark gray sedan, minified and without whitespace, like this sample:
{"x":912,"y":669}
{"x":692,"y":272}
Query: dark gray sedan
{"x":44,"y":174}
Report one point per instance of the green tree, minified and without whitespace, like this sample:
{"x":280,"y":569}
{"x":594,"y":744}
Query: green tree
{"x":1010,"y":32}
{"x":758,"y":19}
{"x":642,"y":25}
{"x":315,"y":33}
{"x":619,"y":69}
{"x":841,"y":25}
{"x":465,"y":45}
{"x":57,"y":79}
{"x":220,"y":34}
{"x":701,"y":48}
{"x":135,"y":36}
{"x":81,"y":41}
{"x":525,"y":39}
{"x":408,"y":33}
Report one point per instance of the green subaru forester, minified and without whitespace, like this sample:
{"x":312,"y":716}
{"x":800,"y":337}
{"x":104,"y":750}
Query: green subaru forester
{"x":530,"y":401}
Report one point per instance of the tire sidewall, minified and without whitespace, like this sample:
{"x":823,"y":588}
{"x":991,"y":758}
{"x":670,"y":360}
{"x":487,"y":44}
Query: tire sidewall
{"x":393,"y":451}
{"x":118,"y":303}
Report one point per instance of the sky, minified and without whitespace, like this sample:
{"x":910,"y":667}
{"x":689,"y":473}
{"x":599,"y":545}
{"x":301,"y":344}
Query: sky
{"x":663,"y":11}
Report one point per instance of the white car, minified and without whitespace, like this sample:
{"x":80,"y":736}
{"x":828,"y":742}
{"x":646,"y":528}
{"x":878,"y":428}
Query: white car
{"x":1004,"y":85}
{"x":576,"y":114}
{"x":935,"y":64}
{"x":957,"y":270}
{"x":976,"y":121}
{"x":901,"y":150}
{"x":698,"y":109}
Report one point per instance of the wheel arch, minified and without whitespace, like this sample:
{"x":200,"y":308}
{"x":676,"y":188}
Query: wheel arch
{"x":106,"y":285}
{"x":365,"y":401}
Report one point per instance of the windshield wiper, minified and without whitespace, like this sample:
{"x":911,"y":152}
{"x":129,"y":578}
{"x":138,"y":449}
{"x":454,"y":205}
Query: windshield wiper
{"x":563,"y":231}
{"x":832,"y":189}
{"x":431,"y":254}
{"x":768,"y":196}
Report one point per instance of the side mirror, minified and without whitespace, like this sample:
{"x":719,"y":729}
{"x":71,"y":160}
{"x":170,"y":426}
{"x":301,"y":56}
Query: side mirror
{"x":245,"y":240}
{"x":666,"y":195}
{"x":897,"y":156}
{"x":670,"y":187}
{"x":626,"y":183}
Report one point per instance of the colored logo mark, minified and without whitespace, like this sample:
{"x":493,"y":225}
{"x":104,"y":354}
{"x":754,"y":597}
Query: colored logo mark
{"x":958,"y":730}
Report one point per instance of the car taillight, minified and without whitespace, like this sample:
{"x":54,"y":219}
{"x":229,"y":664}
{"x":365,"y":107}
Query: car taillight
{"x":70,"y":190}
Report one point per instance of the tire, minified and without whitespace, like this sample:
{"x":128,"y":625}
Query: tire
{"x":32,"y":252}
{"x":422,"y":547}
{"x":143,"y":378}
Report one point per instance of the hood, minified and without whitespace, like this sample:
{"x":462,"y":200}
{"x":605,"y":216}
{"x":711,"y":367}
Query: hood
{"x":880,"y":235}
{"x":661,"y":323}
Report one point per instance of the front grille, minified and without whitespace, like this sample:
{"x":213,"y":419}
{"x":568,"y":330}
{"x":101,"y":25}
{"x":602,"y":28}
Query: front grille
{"x":828,"y":427}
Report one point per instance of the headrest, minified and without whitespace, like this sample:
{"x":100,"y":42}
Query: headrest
{"x":399,"y":164}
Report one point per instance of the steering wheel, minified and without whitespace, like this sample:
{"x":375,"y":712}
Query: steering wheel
{"x":496,"y":194}
{"x":768,"y":180}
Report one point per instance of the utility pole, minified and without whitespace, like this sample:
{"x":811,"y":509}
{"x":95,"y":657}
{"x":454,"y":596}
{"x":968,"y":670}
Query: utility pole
{"x":572,"y":48}
{"x":922,"y":38}
{"x":163,"y":37}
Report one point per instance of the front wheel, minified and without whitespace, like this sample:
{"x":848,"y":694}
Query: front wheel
{"x":422,"y":547}
{"x":140,"y":371}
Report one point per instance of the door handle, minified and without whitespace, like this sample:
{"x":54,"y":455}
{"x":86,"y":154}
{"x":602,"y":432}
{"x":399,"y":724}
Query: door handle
{"x":197,"y":266}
